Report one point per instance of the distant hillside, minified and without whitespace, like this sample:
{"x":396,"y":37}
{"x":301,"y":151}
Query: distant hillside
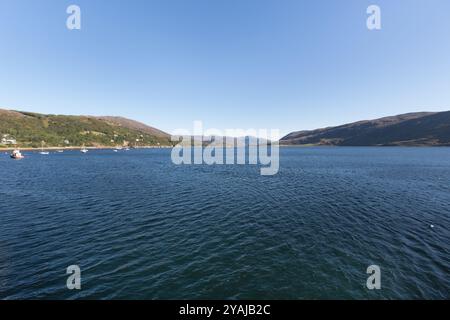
{"x":134,"y":125}
{"x":29,"y":129}
{"x":411,"y":129}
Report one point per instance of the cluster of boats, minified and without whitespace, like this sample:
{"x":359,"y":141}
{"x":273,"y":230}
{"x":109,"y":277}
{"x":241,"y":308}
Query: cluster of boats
{"x":16,"y":154}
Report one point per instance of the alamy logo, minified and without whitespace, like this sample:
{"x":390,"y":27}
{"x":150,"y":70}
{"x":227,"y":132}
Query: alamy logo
{"x":234,"y":146}
{"x":74,"y":280}
{"x":73,"y":22}
{"x":374,"y":19}
{"x":374,"y":280}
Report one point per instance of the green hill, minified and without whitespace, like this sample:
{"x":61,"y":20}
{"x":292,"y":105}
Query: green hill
{"x":411,"y":129}
{"x":30,"y":129}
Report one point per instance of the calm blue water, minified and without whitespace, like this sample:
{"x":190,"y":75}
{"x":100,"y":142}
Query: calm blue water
{"x":140,"y":227}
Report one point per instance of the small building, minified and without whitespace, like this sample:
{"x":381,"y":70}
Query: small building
{"x":8,"y":140}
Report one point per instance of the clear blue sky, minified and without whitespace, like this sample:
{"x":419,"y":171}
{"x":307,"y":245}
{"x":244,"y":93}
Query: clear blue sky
{"x":286,"y":64}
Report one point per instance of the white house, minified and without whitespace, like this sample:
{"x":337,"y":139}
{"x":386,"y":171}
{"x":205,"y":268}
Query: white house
{"x":7,"y":140}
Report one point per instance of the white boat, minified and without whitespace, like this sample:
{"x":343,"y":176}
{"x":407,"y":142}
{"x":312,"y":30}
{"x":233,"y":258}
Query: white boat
{"x":42,"y":150}
{"x":60,"y":151}
{"x":84,"y":150}
{"x":16,"y":155}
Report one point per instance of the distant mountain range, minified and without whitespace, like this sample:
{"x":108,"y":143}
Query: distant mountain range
{"x":30,"y":129}
{"x":411,"y":129}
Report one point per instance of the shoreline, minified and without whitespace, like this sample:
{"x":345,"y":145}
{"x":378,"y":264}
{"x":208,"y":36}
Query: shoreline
{"x":390,"y":146}
{"x":79,"y":148}
{"x":170,"y":147}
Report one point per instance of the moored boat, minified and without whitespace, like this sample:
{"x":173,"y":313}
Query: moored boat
{"x":16,"y":154}
{"x":45,"y":153}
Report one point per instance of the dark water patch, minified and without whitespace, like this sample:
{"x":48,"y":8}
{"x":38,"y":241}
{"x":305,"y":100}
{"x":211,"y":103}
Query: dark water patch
{"x":141,"y":227}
